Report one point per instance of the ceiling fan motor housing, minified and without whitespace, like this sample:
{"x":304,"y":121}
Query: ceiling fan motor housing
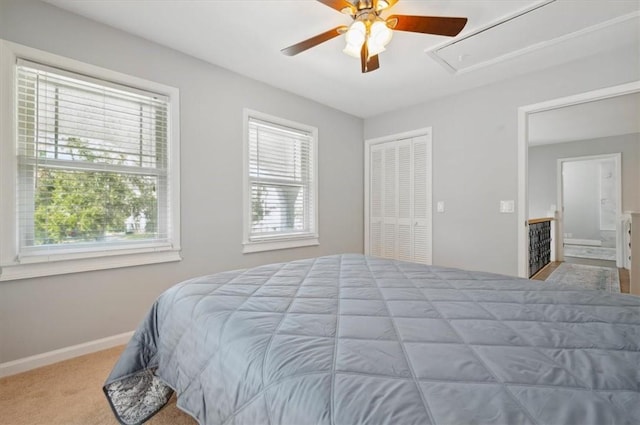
{"x":365,"y":4}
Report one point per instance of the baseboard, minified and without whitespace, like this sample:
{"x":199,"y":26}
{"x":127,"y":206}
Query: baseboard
{"x":44,"y":359}
{"x":587,"y":242}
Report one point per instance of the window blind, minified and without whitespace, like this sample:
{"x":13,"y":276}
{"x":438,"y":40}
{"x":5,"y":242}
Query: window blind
{"x":92,"y":161}
{"x":280,"y":174}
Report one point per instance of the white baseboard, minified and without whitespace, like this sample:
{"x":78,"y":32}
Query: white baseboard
{"x":588,"y":242}
{"x":44,"y":359}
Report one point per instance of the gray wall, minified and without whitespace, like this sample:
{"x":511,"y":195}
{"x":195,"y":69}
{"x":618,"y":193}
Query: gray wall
{"x":475,"y":154}
{"x":543,"y":166}
{"x":39,"y":315}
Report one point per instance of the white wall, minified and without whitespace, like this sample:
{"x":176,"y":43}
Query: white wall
{"x":475,"y":154}
{"x":543,"y":166}
{"x":39,"y":315}
{"x":608,"y":200}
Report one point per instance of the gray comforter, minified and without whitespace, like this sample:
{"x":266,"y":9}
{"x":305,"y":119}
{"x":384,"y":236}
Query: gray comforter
{"x":350,"y":339}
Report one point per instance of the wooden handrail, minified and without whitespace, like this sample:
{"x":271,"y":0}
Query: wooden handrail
{"x":540,"y":220}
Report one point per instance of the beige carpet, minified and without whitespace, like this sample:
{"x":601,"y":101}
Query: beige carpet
{"x":70,"y":393}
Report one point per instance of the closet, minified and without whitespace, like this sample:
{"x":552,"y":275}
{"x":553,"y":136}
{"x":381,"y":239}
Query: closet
{"x":398,"y":198}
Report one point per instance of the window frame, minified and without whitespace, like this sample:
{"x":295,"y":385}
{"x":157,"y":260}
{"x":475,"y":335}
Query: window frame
{"x":76,"y":259}
{"x":281,"y":241}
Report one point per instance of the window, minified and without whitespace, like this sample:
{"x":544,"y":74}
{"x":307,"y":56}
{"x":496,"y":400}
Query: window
{"x":93,"y":170}
{"x":280,"y":183}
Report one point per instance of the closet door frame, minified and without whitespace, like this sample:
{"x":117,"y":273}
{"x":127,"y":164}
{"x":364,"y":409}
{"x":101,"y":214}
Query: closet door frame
{"x":369,"y":143}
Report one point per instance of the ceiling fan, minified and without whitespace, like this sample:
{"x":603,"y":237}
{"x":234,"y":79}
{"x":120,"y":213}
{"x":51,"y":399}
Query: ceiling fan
{"x":369,"y":33}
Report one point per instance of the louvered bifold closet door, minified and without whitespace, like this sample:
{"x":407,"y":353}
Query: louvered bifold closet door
{"x":422,"y":229}
{"x":400,"y":200}
{"x":376,"y":217}
{"x":390,"y":204}
{"x":404,"y":238}
{"x":383,"y":218}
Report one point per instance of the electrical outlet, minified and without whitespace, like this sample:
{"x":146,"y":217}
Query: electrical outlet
{"x":440,"y":206}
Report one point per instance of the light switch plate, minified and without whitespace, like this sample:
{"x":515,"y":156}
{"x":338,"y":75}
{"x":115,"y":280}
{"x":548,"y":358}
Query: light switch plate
{"x":507,"y":207}
{"x":440,"y":206}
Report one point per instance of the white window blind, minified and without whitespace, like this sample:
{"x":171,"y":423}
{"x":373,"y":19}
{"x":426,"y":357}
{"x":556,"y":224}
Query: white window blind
{"x":92,"y":163}
{"x":281,"y":179}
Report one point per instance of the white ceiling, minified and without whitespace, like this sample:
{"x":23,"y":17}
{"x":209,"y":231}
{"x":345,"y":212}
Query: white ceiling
{"x":246,"y":37}
{"x":614,"y":116}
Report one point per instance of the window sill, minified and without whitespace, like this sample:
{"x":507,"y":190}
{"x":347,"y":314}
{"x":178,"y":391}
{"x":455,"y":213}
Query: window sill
{"x":272,"y":245}
{"x":102,"y":261}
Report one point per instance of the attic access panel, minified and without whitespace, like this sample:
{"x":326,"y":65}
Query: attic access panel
{"x":544,"y":23}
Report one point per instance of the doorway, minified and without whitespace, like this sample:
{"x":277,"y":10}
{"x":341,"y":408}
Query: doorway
{"x":589,"y":206}
{"x":523,"y":147}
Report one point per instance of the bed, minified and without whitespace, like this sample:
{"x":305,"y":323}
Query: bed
{"x":351,"y":339}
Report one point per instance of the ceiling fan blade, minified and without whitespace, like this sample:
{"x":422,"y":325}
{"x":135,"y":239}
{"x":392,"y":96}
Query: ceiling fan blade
{"x":373,"y":64}
{"x":342,"y":6}
{"x":313,"y":41}
{"x":438,"y":25}
{"x":367,"y":63}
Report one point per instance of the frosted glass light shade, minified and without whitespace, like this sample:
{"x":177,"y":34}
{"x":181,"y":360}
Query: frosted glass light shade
{"x":381,"y":34}
{"x":352,"y":50}
{"x":356,"y":34}
{"x":374,"y":48}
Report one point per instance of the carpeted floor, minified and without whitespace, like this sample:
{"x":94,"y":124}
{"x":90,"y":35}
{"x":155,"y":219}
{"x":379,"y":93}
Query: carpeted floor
{"x":70,"y":393}
{"x":587,"y":277}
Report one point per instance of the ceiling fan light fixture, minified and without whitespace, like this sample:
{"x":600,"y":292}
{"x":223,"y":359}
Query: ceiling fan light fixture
{"x":375,"y":49}
{"x":369,"y":34}
{"x":380,"y":33}
{"x":377,"y":35}
{"x":352,"y":50}
{"x":356,"y":34}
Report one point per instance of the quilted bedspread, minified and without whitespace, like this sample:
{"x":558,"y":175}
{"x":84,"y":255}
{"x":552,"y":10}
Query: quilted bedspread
{"x":350,"y":339}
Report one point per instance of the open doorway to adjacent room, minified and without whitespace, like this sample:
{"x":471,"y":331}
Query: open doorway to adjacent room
{"x":579,"y":169}
{"x":589,"y":201}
